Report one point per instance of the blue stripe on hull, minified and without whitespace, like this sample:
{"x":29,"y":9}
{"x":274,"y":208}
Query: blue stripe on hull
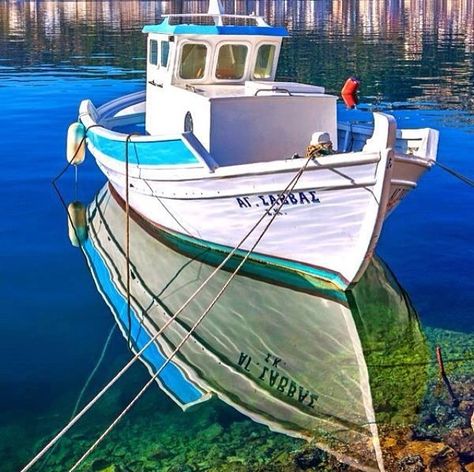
{"x":172,"y":378}
{"x":268,"y":261}
{"x":171,"y":152}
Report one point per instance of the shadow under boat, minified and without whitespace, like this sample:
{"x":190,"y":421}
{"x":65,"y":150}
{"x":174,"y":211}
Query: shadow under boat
{"x":304,"y":359}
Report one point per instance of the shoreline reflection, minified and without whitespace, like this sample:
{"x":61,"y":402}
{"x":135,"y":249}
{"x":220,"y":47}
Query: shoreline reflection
{"x":413,"y":50}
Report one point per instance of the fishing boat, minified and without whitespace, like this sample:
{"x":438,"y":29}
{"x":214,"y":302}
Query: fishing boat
{"x":311,"y":363}
{"x":218,"y":154}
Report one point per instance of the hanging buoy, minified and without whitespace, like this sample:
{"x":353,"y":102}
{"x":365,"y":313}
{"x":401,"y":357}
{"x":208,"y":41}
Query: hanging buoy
{"x":77,"y":223}
{"x":350,"y":100}
{"x":350,"y":86}
{"x":76,"y":144}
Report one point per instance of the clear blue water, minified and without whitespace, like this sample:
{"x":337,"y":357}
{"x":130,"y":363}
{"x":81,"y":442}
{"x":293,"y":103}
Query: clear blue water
{"x":53,"y":323}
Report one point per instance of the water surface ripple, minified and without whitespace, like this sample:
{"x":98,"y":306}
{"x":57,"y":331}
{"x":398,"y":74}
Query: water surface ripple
{"x":415,"y":59}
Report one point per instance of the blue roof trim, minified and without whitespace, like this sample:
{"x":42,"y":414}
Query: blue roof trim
{"x":166,"y":28}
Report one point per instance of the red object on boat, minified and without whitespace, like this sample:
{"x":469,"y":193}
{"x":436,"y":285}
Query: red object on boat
{"x":350,"y":86}
{"x":350,"y":100}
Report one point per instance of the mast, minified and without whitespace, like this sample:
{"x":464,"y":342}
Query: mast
{"x":216,"y":9}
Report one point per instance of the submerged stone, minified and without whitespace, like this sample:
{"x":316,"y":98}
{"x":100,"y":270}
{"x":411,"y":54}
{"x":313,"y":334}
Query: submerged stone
{"x":446,"y":460}
{"x":411,"y":464}
{"x":462,"y":441}
{"x":160,"y":453}
{"x":310,"y":457}
{"x":212,"y":432}
{"x":469,"y":467}
{"x":102,"y":465}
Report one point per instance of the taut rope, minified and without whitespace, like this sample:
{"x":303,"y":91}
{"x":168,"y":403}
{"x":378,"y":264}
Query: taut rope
{"x":454,"y":173}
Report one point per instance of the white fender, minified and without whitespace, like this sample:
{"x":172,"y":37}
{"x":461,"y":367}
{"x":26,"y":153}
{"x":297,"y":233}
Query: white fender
{"x":76,"y":144}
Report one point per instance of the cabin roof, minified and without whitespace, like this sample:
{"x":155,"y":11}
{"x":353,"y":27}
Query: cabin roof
{"x":255,"y":30}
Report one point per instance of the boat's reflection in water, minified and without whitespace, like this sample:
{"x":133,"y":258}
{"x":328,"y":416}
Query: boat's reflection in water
{"x":309,"y":362}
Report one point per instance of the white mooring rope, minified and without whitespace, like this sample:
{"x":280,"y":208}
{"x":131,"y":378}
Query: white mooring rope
{"x":119,"y":374}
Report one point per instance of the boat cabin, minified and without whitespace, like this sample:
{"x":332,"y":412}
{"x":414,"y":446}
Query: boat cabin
{"x":217,"y":83}
{"x":199,"y":54}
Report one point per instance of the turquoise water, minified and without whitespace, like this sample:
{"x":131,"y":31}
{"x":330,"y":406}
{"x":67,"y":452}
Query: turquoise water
{"x":415,"y":59}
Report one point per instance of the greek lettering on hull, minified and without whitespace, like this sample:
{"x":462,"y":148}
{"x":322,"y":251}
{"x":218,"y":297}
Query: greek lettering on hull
{"x":294,"y":198}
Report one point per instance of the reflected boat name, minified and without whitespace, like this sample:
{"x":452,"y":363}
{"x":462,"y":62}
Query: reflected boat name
{"x":296,"y":198}
{"x":270,"y":376}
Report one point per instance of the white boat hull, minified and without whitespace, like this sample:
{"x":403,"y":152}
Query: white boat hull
{"x":328,"y":225}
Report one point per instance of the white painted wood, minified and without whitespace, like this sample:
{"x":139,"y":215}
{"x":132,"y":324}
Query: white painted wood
{"x":415,"y":153}
{"x":333,"y":233}
{"x":170,"y":75}
{"x":216,"y":9}
{"x":278,"y":129}
{"x":221,"y":122}
{"x":167,"y":107}
{"x":340,"y":200}
{"x":254,"y":86}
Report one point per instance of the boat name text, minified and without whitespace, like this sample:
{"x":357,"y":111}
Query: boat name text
{"x":268,"y":373}
{"x":295,"y":198}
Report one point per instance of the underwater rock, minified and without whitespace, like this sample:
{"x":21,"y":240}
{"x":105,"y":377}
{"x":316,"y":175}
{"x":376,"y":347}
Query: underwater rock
{"x":439,"y":416}
{"x":425,"y":449}
{"x":181,"y":468}
{"x":103,"y":465}
{"x":160,"y":453}
{"x":333,"y":465}
{"x":445,"y":460}
{"x":309,"y":457}
{"x":411,"y":464}
{"x":469,"y":467}
{"x":466,"y":408}
{"x":462,"y":441}
{"x":235,"y":460}
{"x":212,"y":432}
{"x":449,"y":417}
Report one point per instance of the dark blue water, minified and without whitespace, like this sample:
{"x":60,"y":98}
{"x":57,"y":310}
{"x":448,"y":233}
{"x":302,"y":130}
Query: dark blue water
{"x":53,"y":323}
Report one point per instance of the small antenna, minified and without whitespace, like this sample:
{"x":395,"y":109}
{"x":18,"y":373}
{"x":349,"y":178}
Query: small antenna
{"x":216,"y":9}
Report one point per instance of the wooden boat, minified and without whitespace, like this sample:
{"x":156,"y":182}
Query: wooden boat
{"x":215,"y":161}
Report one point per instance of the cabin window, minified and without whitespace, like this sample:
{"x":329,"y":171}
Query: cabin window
{"x":231,"y":61}
{"x":193,"y":61}
{"x":153,"y":57}
{"x":264,"y":63}
{"x":188,"y":123}
{"x":165,"y":51}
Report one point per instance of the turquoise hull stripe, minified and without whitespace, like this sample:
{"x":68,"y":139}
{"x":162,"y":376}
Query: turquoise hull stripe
{"x":275,"y":261}
{"x":173,"y":152}
{"x":172,"y":378}
{"x":287,"y":273}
